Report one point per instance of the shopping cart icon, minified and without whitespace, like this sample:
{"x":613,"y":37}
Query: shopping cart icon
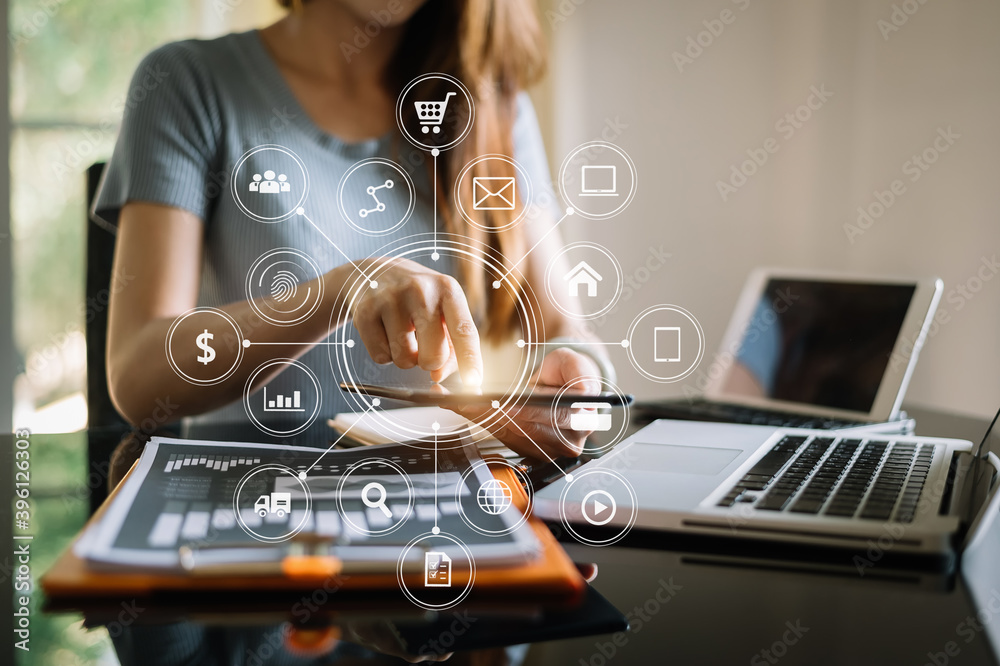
{"x":431,"y":114}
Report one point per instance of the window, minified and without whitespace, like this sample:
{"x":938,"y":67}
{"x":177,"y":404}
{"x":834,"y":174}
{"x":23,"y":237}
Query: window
{"x":69,"y":70}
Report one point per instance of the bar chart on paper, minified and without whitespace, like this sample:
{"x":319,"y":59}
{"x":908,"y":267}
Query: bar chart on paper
{"x":281,"y":403}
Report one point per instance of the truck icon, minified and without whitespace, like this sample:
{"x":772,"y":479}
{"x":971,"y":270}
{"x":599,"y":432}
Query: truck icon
{"x":279,"y":503}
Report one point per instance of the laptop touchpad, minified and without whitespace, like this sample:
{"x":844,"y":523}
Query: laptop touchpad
{"x":683,"y":459}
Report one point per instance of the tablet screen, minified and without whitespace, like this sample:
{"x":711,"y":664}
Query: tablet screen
{"x":819,"y":343}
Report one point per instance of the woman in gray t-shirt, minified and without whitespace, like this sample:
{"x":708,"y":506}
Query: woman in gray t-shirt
{"x":261,"y":181}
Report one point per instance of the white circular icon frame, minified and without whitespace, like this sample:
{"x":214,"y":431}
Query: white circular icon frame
{"x":416,"y":600}
{"x":168,"y":346}
{"x":572,"y":200}
{"x":302,"y":521}
{"x":401,"y":103}
{"x":442,"y":245}
{"x":631,"y":347}
{"x":521,"y":180}
{"x":236,"y":189}
{"x":608,"y":386}
{"x":519,"y":473}
{"x":409,"y":490}
{"x":349,"y":218}
{"x":619,"y":276}
{"x":312,"y":265}
{"x":624,"y":530}
{"x":248,"y":392}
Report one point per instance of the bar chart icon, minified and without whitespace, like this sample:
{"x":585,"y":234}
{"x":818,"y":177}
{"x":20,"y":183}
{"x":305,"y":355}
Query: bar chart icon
{"x":282,"y":403}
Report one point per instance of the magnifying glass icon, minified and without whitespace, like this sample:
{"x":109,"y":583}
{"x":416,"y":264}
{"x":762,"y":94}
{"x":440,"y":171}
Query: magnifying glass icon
{"x":378,"y":503}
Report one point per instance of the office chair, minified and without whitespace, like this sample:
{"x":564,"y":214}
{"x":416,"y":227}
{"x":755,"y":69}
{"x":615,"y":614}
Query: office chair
{"x":105,"y":425}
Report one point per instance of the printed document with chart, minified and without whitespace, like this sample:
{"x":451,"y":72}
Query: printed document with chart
{"x":189,"y":504}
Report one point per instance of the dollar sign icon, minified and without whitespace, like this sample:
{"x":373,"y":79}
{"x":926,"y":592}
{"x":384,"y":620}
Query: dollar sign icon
{"x":202,"y":342}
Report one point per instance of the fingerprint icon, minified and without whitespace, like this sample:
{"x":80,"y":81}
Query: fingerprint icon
{"x":283,"y":286}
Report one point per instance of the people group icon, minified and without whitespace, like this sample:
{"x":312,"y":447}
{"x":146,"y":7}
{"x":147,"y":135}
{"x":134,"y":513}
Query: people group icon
{"x":269,"y":185}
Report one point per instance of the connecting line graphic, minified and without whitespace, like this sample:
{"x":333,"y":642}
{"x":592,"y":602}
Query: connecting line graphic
{"x":569,"y":477}
{"x":434,"y":254}
{"x":496,"y":283}
{"x":302,"y":212}
{"x":375,"y":403}
{"x":436,"y":426}
{"x":349,"y":343}
{"x":596,"y":343}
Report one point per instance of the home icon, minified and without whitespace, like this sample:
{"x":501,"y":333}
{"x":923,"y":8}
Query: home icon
{"x":583,"y":273}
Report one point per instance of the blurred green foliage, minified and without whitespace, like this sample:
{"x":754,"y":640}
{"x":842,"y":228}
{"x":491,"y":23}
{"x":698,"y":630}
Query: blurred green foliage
{"x":70,"y":62}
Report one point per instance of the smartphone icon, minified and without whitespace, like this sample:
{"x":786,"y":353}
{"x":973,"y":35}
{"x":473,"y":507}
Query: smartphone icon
{"x":437,"y":569}
{"x":667,"y":344}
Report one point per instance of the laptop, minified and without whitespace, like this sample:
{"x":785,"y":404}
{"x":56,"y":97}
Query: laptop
{"x":910,"y":495}
{"x":812,"y":350}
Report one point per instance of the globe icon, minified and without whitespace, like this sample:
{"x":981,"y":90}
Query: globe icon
{"x":494,"y":497}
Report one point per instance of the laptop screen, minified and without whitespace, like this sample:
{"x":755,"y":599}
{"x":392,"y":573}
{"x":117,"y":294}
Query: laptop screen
{"x":819,"y":343}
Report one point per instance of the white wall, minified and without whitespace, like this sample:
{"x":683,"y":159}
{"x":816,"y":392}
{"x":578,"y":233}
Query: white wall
{"x":685,"y":129}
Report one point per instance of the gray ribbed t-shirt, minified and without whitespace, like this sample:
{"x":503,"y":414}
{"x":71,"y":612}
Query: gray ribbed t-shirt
{"x":194,"y":109}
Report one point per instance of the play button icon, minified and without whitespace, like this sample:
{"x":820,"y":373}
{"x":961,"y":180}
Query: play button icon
{"x":597,"y":512}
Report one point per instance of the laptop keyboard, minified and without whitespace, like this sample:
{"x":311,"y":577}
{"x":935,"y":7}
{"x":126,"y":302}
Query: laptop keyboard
{"x":845,"y":478}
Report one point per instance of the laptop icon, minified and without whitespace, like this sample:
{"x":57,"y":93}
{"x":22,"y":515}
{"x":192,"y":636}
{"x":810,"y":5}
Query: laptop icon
{"x":599,"y":180}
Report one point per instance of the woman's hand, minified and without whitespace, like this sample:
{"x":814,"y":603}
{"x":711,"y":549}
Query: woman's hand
{"x":419,"y":317}
{"x":532,"y":431}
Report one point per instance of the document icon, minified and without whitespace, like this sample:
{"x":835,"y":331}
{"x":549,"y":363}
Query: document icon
{"x":437,"y":569}
{"x":493,"y":193}
{"x":667,"y":344}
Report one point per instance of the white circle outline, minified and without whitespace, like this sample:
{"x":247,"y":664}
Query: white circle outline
{"x":286,"y":362}
{"x":302,"y":521}
{"x":409,"y":491}
{"x":312,"y":265}
{"x":409,"y":186}
{"x":435,"y":607}
{"x":572,"y":202}
{"x":235,"y":189}
{"x":519,"y":473}
{"x":622,"y":532}
{"x":526,"y":186}
{"x":168,"y":346}
{"x":607,"y":385}
{"x":589,"y":519}
{"x":442,"y":77}
{"x":341,"y":365}
{"x":619,"y":275}
{"x":673,"y":378}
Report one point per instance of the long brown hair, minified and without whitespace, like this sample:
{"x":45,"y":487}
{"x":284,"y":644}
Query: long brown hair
{"x":497,"y":49}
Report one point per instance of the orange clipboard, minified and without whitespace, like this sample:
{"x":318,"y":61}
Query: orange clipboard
{"x":552,"y":578}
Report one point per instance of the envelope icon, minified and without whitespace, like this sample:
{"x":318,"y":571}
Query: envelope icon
{"x":493,"y":193}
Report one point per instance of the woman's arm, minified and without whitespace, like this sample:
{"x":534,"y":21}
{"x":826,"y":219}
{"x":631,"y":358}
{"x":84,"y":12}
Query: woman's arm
{"x":416,"y":317}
